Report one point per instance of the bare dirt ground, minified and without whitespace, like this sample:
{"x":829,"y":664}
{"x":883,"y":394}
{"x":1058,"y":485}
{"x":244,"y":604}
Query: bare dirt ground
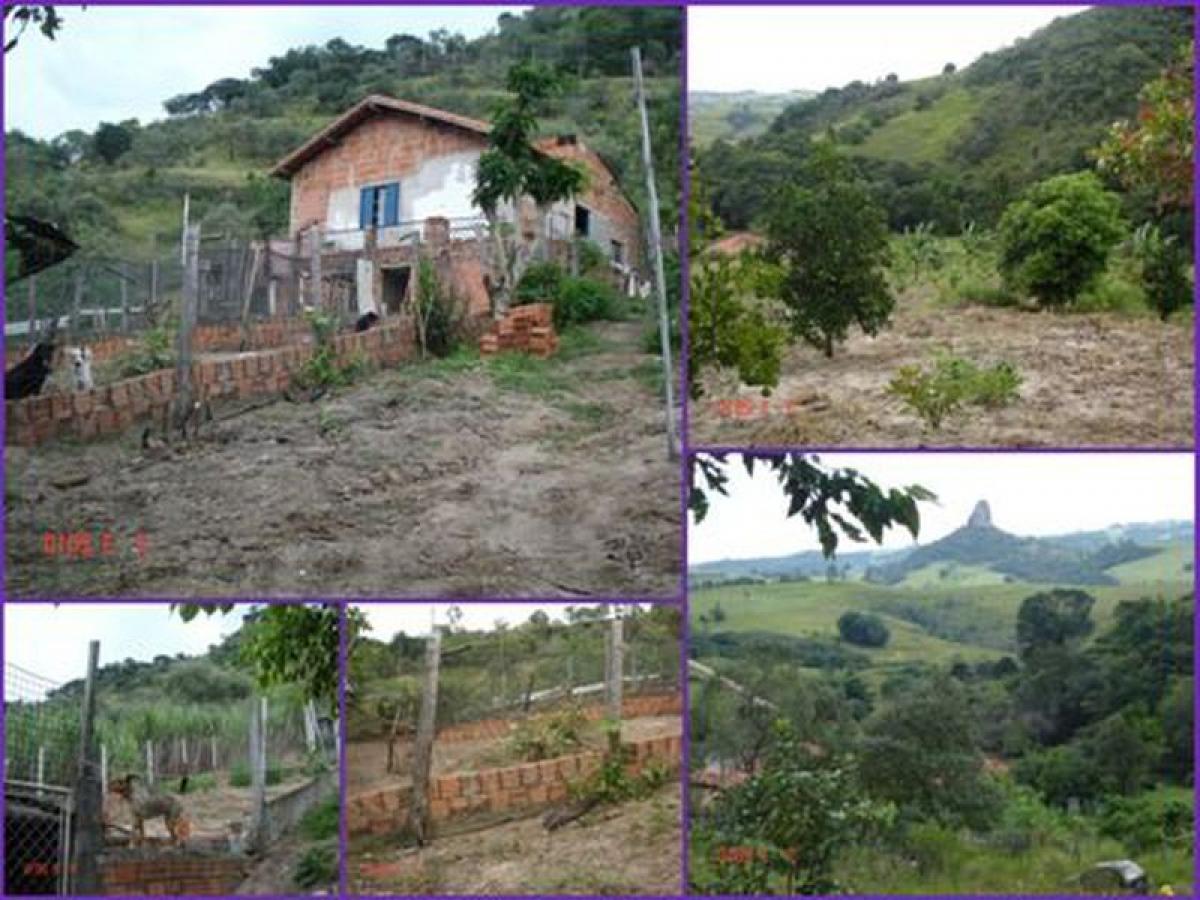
{"x":631,"y":848}
{"x":209,"y":812}
{"x":1089,"y":380}
{"x":506,"y":477}
{"x":366,"y":761}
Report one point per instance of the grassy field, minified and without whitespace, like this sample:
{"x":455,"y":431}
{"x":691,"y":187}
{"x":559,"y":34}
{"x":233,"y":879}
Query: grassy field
{"x":1168,"y":568}
{"x":925,"y":135}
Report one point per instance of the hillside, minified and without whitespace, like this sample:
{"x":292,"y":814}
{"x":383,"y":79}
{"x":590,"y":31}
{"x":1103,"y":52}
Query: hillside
{"x":735,"y":115}
{"x":957,"y":147}
{"x":981,"y":553}
{"x":218,"y":143}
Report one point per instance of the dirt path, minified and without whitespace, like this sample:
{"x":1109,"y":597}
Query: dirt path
{"x":501,"y":478}
{"x":1089,"y":380}
{"x":628,"y":849}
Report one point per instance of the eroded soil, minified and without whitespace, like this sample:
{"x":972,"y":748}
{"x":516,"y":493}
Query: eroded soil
{"x":1088,"y":380}
{"x":433,"y":479}
{"x":631,"y":848}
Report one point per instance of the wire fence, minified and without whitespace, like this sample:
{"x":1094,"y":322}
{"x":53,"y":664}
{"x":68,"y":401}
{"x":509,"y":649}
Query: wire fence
{"x":41,"y":754}
{"x":513,"y":671}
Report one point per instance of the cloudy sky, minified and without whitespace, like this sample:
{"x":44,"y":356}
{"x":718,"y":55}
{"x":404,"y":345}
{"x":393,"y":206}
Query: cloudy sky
{"x":110,"y":63}
{"x":1029,"y":494}
{"x":51,"y":640}
{"x":415,"y":618}
{"x":774,"y":48}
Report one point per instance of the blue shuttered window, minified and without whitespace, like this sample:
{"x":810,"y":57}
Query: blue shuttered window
{"x":391,"y":204}
{"x":379,"y":206}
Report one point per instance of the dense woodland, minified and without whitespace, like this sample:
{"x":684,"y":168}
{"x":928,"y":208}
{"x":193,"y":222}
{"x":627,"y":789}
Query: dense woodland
{"x":118,"y":189}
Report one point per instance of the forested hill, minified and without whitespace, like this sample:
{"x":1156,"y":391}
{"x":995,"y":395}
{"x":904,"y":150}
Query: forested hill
{"x":117,"y":189}
{"x":957,"y":147}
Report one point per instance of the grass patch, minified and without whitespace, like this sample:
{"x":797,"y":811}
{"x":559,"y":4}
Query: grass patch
{"x":951,"y":383}
{"x":318,"y":866}
{"x":464,"y":359}
{"x":576,"y":341}
{"x":526,"y":374}
{"x":595,"y":414}
{"x":321,"y":822}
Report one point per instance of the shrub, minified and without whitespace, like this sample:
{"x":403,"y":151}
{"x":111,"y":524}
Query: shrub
{"x":239,"y":774}
{"x":321,"y":822}
{"x":318,"y":866}
{"x":1055,"y":240}
{"x":863,"y":629}
{"x":154,"y":351}
{"x":575,"y":300}
{"x":951,"y":383}
{"x":440,"y":314}
{"x":545,"y":737}
{"x":1147,"y":821}
{"x":1164,"y":264}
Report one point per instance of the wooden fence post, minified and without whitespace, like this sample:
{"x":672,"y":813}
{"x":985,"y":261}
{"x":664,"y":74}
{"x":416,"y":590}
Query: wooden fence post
{"x":184,"y":394}
{"x":258,"y":773}
{"x":314,"y":266}
{"x":89,"y":829}
{"x":32,"y":296}
{"x":76,"y":303}
{"x":616,"y":651}
{"x":418,"y":811}
{"x":104,"y":770}
{"x":150,"y":763}
{"x":150,"y":313}
{"x":124,"y":299}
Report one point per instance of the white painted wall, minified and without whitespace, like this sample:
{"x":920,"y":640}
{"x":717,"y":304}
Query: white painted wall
{"x":442,"y":186}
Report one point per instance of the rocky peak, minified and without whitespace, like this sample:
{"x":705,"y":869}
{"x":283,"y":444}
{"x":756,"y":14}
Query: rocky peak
{"x":981,"y":516}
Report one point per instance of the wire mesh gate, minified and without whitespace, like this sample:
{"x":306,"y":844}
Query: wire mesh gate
{"x":37,"y":838}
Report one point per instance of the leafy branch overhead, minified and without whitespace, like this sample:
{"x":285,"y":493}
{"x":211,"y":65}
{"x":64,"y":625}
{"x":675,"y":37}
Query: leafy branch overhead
{"x":289,"y":643}
{"x":838,"y":503}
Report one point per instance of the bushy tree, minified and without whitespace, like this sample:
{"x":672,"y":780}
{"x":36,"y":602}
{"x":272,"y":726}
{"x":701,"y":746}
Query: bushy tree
{"x":863,"y":629}
{"x":1164,"y":263}
{"x":831,"y":238}
{"x":1055,"y":240}
{"x":788,"y":821}
{"x":1056,"y":617}
{"x":111,"y":142}
{"x":922,"y":753}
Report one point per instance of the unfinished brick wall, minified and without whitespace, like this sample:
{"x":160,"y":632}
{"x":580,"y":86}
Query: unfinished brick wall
{"x":171,"y":872}
{"x":113,"y":408}
{"x":633,"y":707}
{"x":526,"y":329}
{"x":520,"y":787}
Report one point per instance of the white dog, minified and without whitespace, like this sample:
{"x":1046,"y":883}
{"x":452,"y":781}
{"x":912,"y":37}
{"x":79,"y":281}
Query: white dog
{"x":81,"y":367}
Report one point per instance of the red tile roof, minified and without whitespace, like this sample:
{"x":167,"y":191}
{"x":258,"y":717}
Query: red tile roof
{"x":360,"y":112}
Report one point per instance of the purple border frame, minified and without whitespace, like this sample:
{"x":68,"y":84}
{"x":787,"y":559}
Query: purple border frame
{"x":680,"y":599}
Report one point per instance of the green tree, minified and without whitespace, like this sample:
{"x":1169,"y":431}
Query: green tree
{"x":1055,"y":240}
{"x":781,"y":830}
{"x":922,"y":753}
{"x":1058,"y":617}
{"x":863,"y":629}
{"x":831,"y":238}
{"x":1155,"y":151}
{"x":111,"y":142}
{"x":511,"y":169}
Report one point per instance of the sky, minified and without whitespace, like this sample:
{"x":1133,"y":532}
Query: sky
{"x":387,"y":619}
{"x":51,"y":640}
{"x":1029,"y":494}
{"x":111,"y":63}
{"x":776,"y":49}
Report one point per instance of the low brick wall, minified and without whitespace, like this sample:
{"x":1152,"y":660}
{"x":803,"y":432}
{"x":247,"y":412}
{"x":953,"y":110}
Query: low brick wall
{"x":632,"y":707}
{"x":527,"y":786}
{"x":163,"y":872}
{"x":114,"y":407}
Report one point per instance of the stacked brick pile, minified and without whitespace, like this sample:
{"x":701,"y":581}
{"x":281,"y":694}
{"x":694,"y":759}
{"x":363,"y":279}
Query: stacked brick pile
{"x":527,"y":329}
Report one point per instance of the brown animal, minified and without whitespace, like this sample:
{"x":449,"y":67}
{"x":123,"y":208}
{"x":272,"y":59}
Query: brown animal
{"x":147,"y":803}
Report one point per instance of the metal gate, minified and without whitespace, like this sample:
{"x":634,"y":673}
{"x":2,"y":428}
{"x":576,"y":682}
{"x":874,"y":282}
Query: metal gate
{"x":37,"y":838}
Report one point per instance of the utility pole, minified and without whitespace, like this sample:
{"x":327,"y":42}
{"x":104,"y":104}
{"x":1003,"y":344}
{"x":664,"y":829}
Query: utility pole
{"x":660,"y":278}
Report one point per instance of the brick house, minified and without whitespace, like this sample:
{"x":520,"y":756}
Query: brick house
{"x":389,"y":181}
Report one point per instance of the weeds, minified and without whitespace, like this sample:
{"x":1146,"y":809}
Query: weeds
{"x":545,"y":737}
{"x":954,"y":382}
{"x":318,"y":866}
{"x":153,"y":352}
